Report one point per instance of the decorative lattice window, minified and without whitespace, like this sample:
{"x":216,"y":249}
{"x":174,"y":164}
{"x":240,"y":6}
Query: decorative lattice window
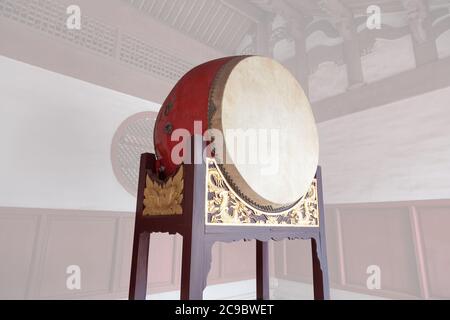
{"x":133,"y":138}
{"x":145,"y":57}
{"x":49,"y":17}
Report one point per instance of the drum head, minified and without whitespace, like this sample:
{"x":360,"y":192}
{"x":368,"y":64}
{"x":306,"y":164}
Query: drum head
{"x":257,"y":96}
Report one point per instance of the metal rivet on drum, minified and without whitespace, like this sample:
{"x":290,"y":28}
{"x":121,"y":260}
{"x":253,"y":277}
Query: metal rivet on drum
{"x":168,"y":128}
{"x":168,"y":108}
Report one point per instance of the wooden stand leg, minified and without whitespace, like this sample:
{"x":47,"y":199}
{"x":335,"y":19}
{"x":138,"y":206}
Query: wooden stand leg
{"x":195,"y":257}
{"x":262,"y":270}
{"x":198,"y":267}
{"x":139,"y":267}
{"x":320,"y":274}
{"x":319,"y":251}
{"x":193,"y":269}
{"x":186,"y":267}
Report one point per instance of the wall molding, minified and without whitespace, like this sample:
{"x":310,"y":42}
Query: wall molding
{"x":101,"y":243}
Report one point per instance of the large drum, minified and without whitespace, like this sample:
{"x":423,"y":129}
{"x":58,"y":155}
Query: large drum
{"x":255,"y":101}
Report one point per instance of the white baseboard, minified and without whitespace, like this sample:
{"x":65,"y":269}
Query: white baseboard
{"x":279,"y":290}
{"x":292,"y":290}
{"x":241,"y":290}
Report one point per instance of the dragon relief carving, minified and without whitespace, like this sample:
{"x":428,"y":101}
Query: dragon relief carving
{"x":164,"y":198}
{"x":225,"y":208}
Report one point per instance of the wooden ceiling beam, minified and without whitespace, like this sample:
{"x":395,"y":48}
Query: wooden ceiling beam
{"x":246,"y":9}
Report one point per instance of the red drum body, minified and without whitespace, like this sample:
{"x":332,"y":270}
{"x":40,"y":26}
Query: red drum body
{"x":244,"y":93}
{"x":188,"y":102}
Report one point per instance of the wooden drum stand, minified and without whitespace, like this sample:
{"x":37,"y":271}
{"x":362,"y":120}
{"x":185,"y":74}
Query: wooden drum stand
{"x":192,"y":203}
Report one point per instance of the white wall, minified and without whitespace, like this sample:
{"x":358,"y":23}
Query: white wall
{"x":397,"y":152}
{"x":55,"y":139}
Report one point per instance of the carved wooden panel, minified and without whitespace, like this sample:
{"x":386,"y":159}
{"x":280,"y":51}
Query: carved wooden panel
{"x":226,"y":207}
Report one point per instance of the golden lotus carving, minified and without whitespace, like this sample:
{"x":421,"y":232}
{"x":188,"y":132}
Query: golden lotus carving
{"x":226,"y":208}
{"x":164,"y":198}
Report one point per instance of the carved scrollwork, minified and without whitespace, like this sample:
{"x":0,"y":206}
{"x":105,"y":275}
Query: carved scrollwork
{"x":226,"y":208}
{"x":164,"y":198}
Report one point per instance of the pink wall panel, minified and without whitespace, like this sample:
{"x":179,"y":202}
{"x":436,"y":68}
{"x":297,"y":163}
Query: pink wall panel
{"x":298,"y":259}
{"x":381,"y":237}
{"x":435,"y":227}
{"x":162,"y":260}
{"x":238,"y":260}
{"x":18,"y":238}
{"x":334,"y":236}
{"x":73,"y":241}
{"x":214,"y":273}
{"x":409,"y":241}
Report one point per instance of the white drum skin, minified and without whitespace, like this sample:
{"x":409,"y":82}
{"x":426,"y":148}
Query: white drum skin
{"x":257,"y":95}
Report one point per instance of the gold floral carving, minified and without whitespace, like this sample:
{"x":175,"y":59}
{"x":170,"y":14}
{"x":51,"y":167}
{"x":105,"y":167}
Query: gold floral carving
{"x":164,"y":198}
{"x":226,"y":208}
